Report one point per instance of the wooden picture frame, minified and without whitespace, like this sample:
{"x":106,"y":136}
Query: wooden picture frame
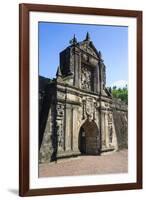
{"x":24,"y":80}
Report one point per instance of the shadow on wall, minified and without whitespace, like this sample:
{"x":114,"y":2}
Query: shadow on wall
{"x":44,"y":107}
{"x":47,"y":140}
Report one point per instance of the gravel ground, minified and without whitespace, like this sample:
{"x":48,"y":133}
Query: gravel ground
{"x":116,"y":162}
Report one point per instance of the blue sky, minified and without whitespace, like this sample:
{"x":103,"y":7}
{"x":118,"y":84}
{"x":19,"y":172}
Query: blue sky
{"x":112,"y":41}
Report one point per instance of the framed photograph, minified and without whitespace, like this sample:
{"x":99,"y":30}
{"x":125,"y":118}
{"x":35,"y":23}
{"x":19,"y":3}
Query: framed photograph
{"x":80,"y":99}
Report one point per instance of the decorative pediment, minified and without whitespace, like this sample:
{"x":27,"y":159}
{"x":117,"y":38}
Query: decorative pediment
{"x":89,"y":48}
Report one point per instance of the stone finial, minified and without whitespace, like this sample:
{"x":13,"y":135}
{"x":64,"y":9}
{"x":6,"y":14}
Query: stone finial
{"x":74,"y":40}
{"x":59,"y":74}
{"x":87,"y":37}
{"x":100,"y":56}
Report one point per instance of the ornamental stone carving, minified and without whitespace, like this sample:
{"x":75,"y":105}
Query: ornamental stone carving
{"x":59,"y":124}
{"x":60,"y":135}
{"x":89,"y":108}
{"x":86,"y":78}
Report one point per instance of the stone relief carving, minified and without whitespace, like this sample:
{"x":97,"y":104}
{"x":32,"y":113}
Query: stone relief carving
{"x":109,"y":118}
{"x":60,"y":95}
{"x":60,"y":135}
{"x":60,"y":110}
{"x":86,"y":78}
{"x":86,"y":48}
{"x":89,"y":108}
{"x":93,"y":61}
{"x":90,"y":51}
{"x":84,"y":57}
{"x":59,"y":124}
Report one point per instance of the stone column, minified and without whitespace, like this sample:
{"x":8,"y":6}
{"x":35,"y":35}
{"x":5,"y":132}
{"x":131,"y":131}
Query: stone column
{"x":71,"y":128}
{"x":75,"y":130}
{"x":106,"y":130}
{"x":98,"y":79}
{"x":103,"y":136}
{"x":97,"y":117}
{"x":97,"y":121}
{"x":114,"y":136}
{"x":79,"y":70}
{"x":95,"y":80}
{"x":68,"y":128}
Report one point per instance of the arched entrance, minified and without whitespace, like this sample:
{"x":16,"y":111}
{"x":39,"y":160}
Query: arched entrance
{"x":89,"y":138}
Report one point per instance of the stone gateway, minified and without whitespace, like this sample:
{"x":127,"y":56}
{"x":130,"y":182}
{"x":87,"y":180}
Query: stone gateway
{"x":77,"y":113}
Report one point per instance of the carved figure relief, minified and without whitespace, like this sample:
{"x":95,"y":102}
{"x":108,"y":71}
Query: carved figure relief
{"x":60,"y":135}
{"x":109,"y":119}
{"x":86,"y":78}
{"x":59,"y":124}
{"x":60,"y":110}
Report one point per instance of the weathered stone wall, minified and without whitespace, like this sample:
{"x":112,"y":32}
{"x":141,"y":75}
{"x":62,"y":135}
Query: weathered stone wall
{"x":120,"y":116}
{"x":64,"y":110}
{"x":47,"y":111}
{"x":46,"y":147}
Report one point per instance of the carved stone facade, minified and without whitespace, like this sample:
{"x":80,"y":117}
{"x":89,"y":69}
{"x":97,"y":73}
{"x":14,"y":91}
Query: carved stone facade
{"x":77,"y":112}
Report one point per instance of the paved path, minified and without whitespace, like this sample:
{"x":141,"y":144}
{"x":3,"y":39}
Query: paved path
{"x":116,"y":162}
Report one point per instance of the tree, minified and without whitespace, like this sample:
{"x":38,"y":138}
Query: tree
{"x":120,"y":93}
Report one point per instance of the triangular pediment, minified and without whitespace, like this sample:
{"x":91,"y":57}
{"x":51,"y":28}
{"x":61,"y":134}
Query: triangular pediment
{"x":89,"y":48}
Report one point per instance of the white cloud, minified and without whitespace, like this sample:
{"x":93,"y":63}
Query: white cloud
{"x":119,"y":83}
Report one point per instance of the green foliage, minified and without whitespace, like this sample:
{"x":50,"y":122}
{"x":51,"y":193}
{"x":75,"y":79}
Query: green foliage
{"x":120,"y":93}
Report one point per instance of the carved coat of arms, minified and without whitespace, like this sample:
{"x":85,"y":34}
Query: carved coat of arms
{"x":89,"y":107}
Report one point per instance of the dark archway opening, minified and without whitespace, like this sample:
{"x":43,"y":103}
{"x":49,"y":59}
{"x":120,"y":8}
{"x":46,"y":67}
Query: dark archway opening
{"x":82,"y":141}
{"x":89,"y":138}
